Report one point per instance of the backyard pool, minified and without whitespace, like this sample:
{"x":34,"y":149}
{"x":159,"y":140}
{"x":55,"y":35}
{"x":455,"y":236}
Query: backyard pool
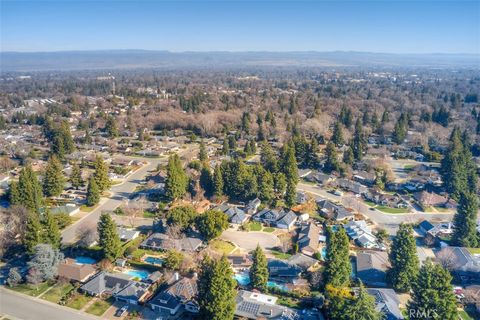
{"x":85,"y":260}
{"x":277,"y":285}
{"x":137,"y":273}
{"x":243,"y":279}
{"x":153,"y":260}
{"x":323,"y":253}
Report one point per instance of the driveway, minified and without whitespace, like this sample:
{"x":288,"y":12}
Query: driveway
{"x":250,"y":240}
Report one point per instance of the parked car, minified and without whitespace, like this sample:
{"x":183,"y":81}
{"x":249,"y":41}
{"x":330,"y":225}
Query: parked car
{"x":120,"y":312}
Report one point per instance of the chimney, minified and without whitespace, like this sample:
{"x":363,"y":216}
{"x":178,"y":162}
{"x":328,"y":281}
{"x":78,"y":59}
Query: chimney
{"x":176,"y":276}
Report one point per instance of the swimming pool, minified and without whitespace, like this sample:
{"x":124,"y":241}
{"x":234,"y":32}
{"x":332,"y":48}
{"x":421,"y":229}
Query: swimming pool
{"x":277,"y":285}
{"x":85,"y":260}
{"x":153,"y":260}
{"x":323,"y":253}
{"x":137,"y":273}
{"x":243,"y":279}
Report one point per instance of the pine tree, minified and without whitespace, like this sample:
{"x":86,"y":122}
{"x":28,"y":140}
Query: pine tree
{"x":177,"y":180}
{"x":216,"y":290}
{"x":93,"y":193}
{"x":30,"y":190}
{"x":432,"y":296}
{"x":246,"y":122}
{"x":259,"y":270}
{"x":348,"y":156}
{"x":338,"y":267}
{"x":266,"y":187}
{"x":101,"y":174}
{"x":218,"y":181}
{"x":358,"y":141}
{"x":111,"y":127}
{"x":280,"y":183}
{"x":268,"y":158}
{"x":53,"y":181}
{"x":76,"y":177}
{"x":33,"y":232}
{"x":400,"y":129}
{"x":289,"y":166}
{"x":404,"y":259}
{"x":202,"y":153}
{"x":51,"y":234}
{"x":465,"y":221}
{"x":226,"y":146}
{"x":362,"y":307}
{"x":337,"y":137}
{"x":331,"y":163}
{"x":206,"y":181}
{"x":14,"y":194}
{"x":108,"y":238}
{"x":290,"y":194}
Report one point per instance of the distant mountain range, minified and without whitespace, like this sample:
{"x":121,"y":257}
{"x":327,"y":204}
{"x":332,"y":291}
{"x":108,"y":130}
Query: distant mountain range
{"x":131,"y":59}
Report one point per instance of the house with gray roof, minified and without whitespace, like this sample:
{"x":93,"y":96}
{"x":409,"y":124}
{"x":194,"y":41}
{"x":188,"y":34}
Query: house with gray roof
{"x":135,"y":292}
{"x":464,"y":266}
{"x":372,"y":268}
{"x":161,"y":241}
{"x":386,"y":302}
{"x":308,"y":239}
{"x":127,"y":234}
{"x":333,"y":211}
{"x":105,"y":283}
{"x":179,"y":296}
{"x":286,"y":220}
{"x":254,"y":305}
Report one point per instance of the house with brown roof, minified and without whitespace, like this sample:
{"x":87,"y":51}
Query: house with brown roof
{"x":308,"y":239}
{"x":70,"y":270}
{"x":427,"y":199}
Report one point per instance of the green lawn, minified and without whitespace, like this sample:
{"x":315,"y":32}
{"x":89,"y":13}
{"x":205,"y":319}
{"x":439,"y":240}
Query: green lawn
{"x":99,"y":307}
{"x":370,"y":203}
{"x":221,"y":246}
{"x":464,"y":316}
{"x":32,"y":290}
{"x":392,"y":210}
{"x":254,"y":226}
{"x":148,"y":214}
{"x":268,"y":229}
{"x":78,"y":301}
{"x":57,"y":292}
{"x":474,"y":250}
{"x":86,"y":208}
{"x":280,"y":255}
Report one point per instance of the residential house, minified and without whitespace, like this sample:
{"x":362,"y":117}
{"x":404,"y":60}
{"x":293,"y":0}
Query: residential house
{"x":361,"y":233}
{"x":425,"y":226}
{"x":252,"y":206}
{"x":236,"y":215}
{"x":302,"y":261}
{"x":127,"y":234}
{"x":134,"y":293}
{"x":351,"y":186}
{"x":287,"y":220}
{"x":301,"y":197}
{"x":240,"y":261}
{"x":308,"y":239}
{"x":464,"y":266}
{"x":105,"y":283}
{"x":72,"y":271}
{"x":282,"y":270}
{"x":364,"y":177}
{"x":386,"y":302}
{"x":254,"y":305}
{"x":429,"y":199}
{"x":161,"y":241}
{"x":372,"y":267}
{"x":180,"y":295}
{"x":281,"y":219}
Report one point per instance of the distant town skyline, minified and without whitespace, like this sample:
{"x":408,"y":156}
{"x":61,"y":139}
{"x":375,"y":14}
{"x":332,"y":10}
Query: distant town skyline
{"x":368,"y":26}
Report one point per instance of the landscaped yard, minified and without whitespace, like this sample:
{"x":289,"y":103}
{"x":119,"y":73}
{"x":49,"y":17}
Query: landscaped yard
{"x":392,"y":210}
{"x":57,"y":292}
{"x":86,"y":208}
{"x":254,"y":226}
{"x":474,"y":250}
{"x":464,"y":315}
{"x":268,"y":229}
{"x":32,"y":290}
{"x":99,"y":307}
{"x":280,"y":255}
{"x":148,"y":214}
{"x":78,"y":301}
{"x":221,"y":246}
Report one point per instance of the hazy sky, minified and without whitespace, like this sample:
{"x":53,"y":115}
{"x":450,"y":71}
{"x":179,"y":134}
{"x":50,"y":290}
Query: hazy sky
{"x":406,"y":26}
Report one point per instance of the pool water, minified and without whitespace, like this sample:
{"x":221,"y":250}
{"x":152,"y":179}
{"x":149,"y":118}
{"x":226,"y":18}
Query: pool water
{"x":153,"y":260}
{"x":85,"y":260}
{"x":136,"y":273}
{"x":276,"y":285}
{"x":323,"y":253}
{"x":243,"y":279}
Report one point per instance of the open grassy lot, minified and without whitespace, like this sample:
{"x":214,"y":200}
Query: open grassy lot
{"x":392,"y":210}
{"x":99,"y":307}
{"x":222,"y":246}
{"x":57,"y":292}
{"x":32,"y":290}
{"x":78,"y":301}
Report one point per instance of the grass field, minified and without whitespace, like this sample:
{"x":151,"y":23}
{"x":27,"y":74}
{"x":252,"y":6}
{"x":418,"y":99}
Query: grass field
{"x":221,"y":246}
{"x":99,"y":307}
{"x":78,"y":301}
{"x":32,"y":290}
{"x":392,"y":210}
{"x":57,"y":292}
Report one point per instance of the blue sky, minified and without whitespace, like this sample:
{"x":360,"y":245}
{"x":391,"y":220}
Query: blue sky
{"x":405,"y":26}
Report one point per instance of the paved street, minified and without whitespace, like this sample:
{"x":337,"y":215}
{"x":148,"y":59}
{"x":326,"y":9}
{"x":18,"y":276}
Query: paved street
{"x":118,"y":194}
{"x":249,"y":240}
{"x":19,"y":306}
{"x":390,"y":222}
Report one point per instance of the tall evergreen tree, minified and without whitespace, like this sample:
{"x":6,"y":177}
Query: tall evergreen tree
{"x":404,"y":259}
{"x":202,"y":153}
{"x":432,"y":296}
{"x":14,"y":194}
{"x":108,"y":238}
{"x":177,"y":180}
{"x":465,"y":221}
{"x":259,"y":270}
{"x":362,"y":307}
{"x":268,"y":158}
{"x":30,"y":190}
{"x":348,"y":156}
{"x":358,"y":141}
{"x":290,"y":194}
{"x":76,"y":177}
{"x":312,"y":160}
{"x":226,"y":146}
{"x":93,"y":193}
{"x":51,"y":233}
{"x":337,"y":136}
{"x":246,"y":122}
{"x":266,"y":187}
{"x":101,"y":174}
{"x":206,"y":181}
{"x":53,"y":182}
{"x":111,"y":127}
{"x":218,"y":181}
{"x":331,"y":163}
{"x":33,"y":232}
{"x":400,"y":129}
{"x":338,"y":268}
{"x":289,"y":166}
{"x":216,"y":290}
